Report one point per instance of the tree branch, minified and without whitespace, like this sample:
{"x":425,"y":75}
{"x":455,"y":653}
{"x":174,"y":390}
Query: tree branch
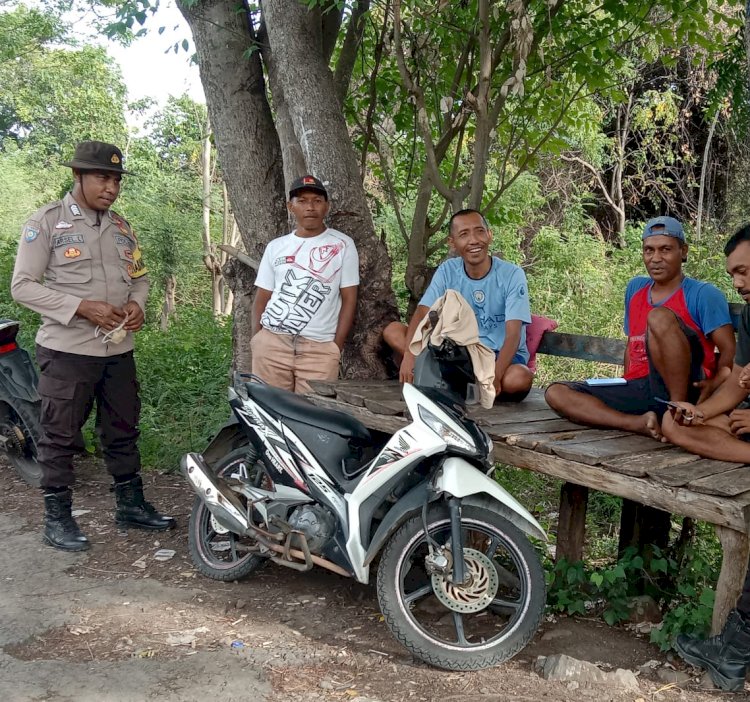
{"x":591,"y":169}
{"x":420,"y":107}
{"x":345,"y":63}
{"x":330,"y":24}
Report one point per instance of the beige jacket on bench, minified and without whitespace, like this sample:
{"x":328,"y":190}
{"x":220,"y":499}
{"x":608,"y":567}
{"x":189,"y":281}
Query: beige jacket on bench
{"x":458,"y":323}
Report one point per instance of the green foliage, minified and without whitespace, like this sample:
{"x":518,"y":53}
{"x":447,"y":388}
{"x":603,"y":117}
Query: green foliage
{"x":24,"y":187}
{"x":183,"y":375}
{"x":52,"y":99}
{"x":8,"y":308}
{"x":687,"y":598}
{"x":25,"y":30}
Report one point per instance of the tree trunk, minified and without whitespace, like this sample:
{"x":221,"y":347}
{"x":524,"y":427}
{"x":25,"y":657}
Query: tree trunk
{"x":209,"y":257}
{"x":301,"y":71}
{"x":418,"y":272}
{"x":246,"y":140}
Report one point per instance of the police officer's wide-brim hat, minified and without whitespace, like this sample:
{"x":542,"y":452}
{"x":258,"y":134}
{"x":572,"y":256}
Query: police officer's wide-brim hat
{"x":97,"y":156}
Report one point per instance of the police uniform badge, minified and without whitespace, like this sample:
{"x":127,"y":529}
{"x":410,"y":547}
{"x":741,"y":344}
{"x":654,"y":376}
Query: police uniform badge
{"x":138,"y":266}
{"x":30,"y":233}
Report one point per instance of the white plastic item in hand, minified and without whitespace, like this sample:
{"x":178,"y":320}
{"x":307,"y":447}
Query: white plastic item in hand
{"x":114,"y":336}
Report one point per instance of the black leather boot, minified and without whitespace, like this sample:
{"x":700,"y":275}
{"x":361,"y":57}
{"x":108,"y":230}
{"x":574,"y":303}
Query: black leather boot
{"x":134,"y":511}
{"x":60,"y":529}
{"x":725,"y":656}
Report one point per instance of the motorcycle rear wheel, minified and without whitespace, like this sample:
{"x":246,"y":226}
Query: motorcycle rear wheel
{"x":217,"y":553}
{"x":467,"y":627}
{"x":20,"y":424}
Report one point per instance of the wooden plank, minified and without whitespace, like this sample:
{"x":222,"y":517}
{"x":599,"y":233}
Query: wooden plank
{"x":369,"y":419}
{"x":716,"y":510}
{"x":729,"y":483}
{"x":642,"y":464}
{"x":328,"y":388}
{"x":534,"y":400}
{"x":357,"y":395}
{"x":545,"y":443}
{"x":501,"y":431}
{"x":586,"y":348}
{"x":385,"y":406}
{"x":680,"y":475}
{"x":594,"y":452}
{"x":735,"y":549}
{"x":571,"y":524}
{"x":508,"y":416}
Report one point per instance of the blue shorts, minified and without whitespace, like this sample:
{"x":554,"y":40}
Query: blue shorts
{"x":518,"y":358}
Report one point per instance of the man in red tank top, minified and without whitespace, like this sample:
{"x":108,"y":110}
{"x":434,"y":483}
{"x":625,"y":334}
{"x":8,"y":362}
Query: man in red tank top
{"x":674,"y":326}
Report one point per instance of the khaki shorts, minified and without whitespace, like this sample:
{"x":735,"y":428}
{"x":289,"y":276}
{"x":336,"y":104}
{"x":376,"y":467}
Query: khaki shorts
{"x":288,"y":362}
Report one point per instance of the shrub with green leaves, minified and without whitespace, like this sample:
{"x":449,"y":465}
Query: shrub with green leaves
{"x":685,"y":592}
{"x":184,"y":375}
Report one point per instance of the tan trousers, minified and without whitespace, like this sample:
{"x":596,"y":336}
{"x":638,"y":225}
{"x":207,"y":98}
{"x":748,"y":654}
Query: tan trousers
{"x":288,"y":362}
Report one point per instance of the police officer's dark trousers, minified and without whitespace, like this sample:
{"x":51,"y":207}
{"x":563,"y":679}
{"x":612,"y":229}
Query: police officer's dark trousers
{"x":68,"y":386}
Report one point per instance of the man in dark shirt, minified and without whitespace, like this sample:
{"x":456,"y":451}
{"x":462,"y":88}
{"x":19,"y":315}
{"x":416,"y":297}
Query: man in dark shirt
{"x":719,"y":429}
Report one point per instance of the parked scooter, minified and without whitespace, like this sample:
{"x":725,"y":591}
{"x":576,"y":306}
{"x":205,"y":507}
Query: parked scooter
{"x":298,"y":485}
{"x":19,"y":405}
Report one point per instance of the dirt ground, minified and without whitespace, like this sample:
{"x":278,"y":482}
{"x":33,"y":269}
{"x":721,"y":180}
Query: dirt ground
{"x":116,"y":624}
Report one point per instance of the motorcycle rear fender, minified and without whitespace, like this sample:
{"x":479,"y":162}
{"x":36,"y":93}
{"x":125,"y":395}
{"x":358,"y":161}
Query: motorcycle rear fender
{"x":459,"y":478}
{"x":224,"y":441}
{"x":18,"y":376}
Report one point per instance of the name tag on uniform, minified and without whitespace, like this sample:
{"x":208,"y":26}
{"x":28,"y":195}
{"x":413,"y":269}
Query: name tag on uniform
{"x":66,"y":240}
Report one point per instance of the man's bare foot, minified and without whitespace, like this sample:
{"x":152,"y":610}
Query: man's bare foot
{"x":648,"y":425}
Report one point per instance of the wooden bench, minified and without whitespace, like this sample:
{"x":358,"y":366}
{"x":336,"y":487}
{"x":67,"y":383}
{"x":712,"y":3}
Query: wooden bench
{"x":530,"y":435}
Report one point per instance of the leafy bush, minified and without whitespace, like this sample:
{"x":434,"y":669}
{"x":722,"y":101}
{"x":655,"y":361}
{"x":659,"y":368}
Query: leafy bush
{"x":688,"y":598}
{"x":184,"y":376}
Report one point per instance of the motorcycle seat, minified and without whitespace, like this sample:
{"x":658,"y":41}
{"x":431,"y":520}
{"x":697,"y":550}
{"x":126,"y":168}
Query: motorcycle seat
{"x":285,"y":404}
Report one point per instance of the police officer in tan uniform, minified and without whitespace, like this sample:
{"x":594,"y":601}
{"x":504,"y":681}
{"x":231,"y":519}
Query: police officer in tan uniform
{"x":79,"y":265}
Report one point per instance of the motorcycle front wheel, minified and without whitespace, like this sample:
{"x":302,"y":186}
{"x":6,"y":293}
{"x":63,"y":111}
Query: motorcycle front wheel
{"x":19,"y":425}
{"x":481,"y":623}
{"x":217,"y":552}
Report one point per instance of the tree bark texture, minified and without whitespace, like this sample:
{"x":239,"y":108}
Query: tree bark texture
{"x":301,"y":71}
{"x":246,"y":139}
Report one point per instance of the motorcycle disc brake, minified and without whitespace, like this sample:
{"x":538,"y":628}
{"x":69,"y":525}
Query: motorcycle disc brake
{"x":477,"y":592}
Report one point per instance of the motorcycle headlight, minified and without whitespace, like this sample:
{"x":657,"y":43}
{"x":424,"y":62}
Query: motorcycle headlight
{"x":444,"y":431}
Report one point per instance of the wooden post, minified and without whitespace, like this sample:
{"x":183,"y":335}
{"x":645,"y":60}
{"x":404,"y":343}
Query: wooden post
{"x":641,"y":526}
{"x":571,"y":525}
{"x":735,"y":547}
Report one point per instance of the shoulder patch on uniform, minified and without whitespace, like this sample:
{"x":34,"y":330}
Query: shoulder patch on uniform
{"x":75,"y":209}
{"x":123,"y":240}
{"x":118,"y":219}
{"x":62,"y":224}
{"x":66,"y":240}
{"x":30,"y":233}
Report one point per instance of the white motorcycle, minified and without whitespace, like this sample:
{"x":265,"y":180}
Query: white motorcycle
{"x":301,"y":486}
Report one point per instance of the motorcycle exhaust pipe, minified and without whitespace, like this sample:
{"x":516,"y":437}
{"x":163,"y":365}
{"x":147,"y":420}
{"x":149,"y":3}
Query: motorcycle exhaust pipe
{"x":222,"y":502}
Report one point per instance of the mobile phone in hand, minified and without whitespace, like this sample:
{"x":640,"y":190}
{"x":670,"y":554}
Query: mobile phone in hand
{"x":667,"y":402}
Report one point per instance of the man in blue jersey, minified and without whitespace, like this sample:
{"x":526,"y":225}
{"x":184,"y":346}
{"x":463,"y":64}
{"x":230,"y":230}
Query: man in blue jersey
{"x":498,"y":294}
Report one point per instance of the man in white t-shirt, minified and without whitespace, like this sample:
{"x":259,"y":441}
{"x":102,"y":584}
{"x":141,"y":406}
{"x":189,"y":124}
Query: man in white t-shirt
{"x":307,"y":295}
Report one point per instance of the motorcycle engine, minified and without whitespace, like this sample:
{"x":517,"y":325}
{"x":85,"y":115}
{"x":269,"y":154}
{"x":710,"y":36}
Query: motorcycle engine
{"x":316,"y":523}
